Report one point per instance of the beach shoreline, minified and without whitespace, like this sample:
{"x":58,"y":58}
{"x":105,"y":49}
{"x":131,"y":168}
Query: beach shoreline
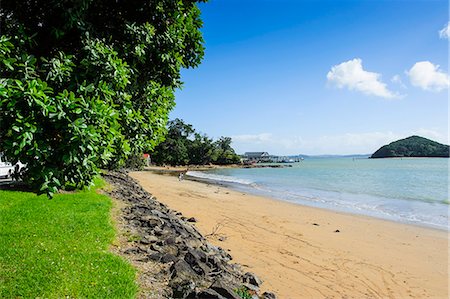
{"x":245,"y":187}
{"x":307,"y":252}
{"x":235,"y":187}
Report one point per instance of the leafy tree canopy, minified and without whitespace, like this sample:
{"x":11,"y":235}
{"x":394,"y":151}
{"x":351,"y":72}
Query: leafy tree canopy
{"x":84,"y":84}
{"x":185,"y":146}
{"x":414,"y":146}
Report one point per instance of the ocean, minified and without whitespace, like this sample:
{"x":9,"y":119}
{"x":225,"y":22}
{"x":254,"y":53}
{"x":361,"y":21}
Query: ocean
{"x":408,"y":190}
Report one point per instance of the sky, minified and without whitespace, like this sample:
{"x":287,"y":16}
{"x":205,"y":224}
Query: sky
{"x":320,"y":76}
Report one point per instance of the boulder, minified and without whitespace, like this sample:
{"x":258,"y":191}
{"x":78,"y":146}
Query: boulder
{"x":167,"y":258}
{"x":224,"y":290}
{"x":183,"y":279}
{"x":166,"y":238}
{"x":252,"y":279}
{"x":172,"y":240}
{"x":157,"y":257}
{"x":251,"y":287}
{"x":133,"y":250}
{"x":196,"y":259}
{"x":268,"y":295}
{"x":206,"y":294}
{"x":146,"y":240}
{"x":152,"y":221}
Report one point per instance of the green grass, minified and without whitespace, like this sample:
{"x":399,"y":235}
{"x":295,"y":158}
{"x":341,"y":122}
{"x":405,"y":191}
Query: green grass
{"x":59,"y":248}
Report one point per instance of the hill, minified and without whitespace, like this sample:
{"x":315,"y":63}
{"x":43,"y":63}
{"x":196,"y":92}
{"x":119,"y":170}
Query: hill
{"x":414,"y":146}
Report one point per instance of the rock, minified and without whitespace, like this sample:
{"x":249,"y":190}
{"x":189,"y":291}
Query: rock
{"x":224,"y":290}
{"x":197,"y":254}
{"x":337,"y":231}
{"x":316,"y":224}
{"x":166,"y":258}
{"x":167,"y":239}
{"x":196,"y":259}
{"x":171,"y":249}
{"x":183,"y":279}
{"x":167,"y":231}
{"x":159,"y":214}
{"x":225,"y":255}
{"x":194,"y":243}
{"x":252,"y":279}
{"x":268,"y":295}
{"x":148,"y":240}
{"x":206,"y":294}
{"x":152,"y":221}
{"x":183,"y":289}
{"x":156,"y":256}
{"x":157,"y":248}
{"x":193,"y":232}
{"x":144,"y":241}
{"x":157,"y":231}
{"x":181,"y":269}
{"x":172,"y":240}
{"x":133,"y":250}
{"x":251,"y":287}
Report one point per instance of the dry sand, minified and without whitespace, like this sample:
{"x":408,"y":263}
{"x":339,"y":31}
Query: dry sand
{"x":297,"y":252}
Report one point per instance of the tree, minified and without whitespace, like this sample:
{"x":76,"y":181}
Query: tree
{"x":85,"y":84}
{"x":413,"y":146}
{"x":175,"y":149}
{"x":184,"y":146}
{"x":202,"y":150}
{"x":224,"y":153}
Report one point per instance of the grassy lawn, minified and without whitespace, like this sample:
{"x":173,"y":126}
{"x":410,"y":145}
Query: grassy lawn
{"x":59,"y":248}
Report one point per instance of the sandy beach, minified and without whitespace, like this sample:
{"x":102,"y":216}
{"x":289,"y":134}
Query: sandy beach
{"x":303,"y":252}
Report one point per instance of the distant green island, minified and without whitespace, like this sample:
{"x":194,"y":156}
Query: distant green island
{"x":414,"y":146}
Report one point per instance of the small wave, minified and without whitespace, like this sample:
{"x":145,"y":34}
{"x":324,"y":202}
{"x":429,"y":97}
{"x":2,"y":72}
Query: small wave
{"x":219,"y":178}
{"x":385,"y":208}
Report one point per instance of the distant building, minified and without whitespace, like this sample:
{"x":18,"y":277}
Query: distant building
{"x":257,"y":157}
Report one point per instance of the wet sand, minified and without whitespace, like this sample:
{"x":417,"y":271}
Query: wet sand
{"x":303,"y":252}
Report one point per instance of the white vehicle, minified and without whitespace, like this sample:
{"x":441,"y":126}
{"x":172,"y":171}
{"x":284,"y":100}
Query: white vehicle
{"x":7,"y":169}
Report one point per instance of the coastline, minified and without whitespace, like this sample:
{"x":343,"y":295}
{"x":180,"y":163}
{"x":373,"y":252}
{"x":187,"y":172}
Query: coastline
{"x":339,"y":210}
{"x":305,"y":252}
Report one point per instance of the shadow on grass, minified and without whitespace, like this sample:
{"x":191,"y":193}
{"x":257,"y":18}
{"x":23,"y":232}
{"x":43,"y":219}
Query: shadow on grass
{"x":11,"y":185}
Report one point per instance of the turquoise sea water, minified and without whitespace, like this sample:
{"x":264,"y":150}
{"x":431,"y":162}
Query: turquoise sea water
{"x":404,"y":190}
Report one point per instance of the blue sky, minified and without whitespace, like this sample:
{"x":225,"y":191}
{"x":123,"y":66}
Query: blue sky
{"x":320,"y":77}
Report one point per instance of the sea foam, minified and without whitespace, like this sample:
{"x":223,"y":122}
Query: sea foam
{"x":408,"y":191}
{"x":219,"y":178}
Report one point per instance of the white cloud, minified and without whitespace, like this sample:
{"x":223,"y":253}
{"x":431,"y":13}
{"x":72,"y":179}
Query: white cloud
{"x":398,"y":80}
{"x":350,"y":74}
{"x":445,"y":32}
{"x":428,"y":76}
{"x":433,"y":135}
{"x":264,"y":142}
{"x":351,"y":143}
{"x":256,"y":138}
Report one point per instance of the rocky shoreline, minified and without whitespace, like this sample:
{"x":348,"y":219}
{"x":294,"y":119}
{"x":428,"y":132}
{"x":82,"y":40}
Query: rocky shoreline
{"x":188,"y":266}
